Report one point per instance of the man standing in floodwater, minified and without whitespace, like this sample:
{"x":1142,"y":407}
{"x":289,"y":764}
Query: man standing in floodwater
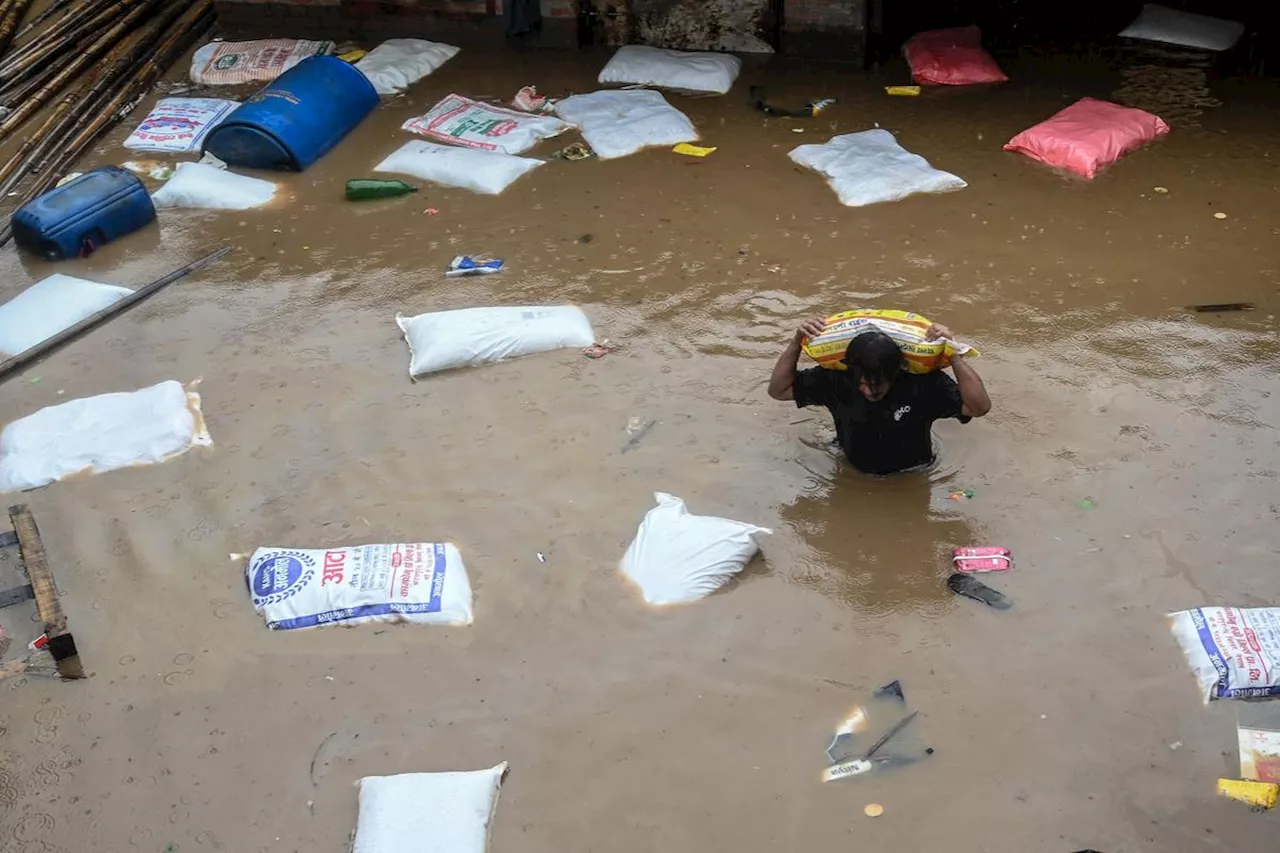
{"x":883,"y":415}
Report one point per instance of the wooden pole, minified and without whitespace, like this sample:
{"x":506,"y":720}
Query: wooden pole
{"x":54,"y":8}
{"x":100,"y":45}
{"x":74,"y":138}
{"x":111,"y":66}
{"x":14,"y":12}
{"x":31,"y":57}
{"x":187,"y":29}
{"x":24,"y":360}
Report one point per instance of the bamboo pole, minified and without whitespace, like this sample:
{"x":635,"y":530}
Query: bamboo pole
{"x":37,"y":100}
{"x":194,"y":21}
{"x":54,"y":8}
{"x":63,"y":36}
{"x":111,"y":67}
{"x":13,"y":92}
{"x":24,"y":360}
{"x":14,"y":12}
{"x":51,"y":134}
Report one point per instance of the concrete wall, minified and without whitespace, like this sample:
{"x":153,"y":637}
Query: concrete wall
{"x":464,"y":21}
{"x":822,"y":29}
{"x":826,"y":29}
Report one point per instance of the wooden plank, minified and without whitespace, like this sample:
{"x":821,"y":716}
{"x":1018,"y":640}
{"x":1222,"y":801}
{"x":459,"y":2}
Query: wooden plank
{"x":37,"y":566}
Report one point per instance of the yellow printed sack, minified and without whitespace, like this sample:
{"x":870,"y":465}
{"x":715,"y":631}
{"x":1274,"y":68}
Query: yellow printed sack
{"x":907,"y":329}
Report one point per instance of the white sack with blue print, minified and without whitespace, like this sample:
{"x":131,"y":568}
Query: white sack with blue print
{"x":423,"y":582}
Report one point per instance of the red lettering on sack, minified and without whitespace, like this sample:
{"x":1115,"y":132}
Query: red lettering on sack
{"x":333,"y":567}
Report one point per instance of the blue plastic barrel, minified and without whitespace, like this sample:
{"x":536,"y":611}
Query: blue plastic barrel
{"x":296,"y":119}
{"x":76,"y":218}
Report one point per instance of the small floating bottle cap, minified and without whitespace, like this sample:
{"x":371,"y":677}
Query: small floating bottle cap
{"x":873,"y":810}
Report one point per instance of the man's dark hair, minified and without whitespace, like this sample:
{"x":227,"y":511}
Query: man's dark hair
{"x":875,"y":357}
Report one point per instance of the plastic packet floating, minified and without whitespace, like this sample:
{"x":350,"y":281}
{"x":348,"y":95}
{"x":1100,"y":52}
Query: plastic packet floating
{"x":465,"y":265}
{"x":982,"y":559}
{"x":1260,"y":795}
{"x":853,"y":753}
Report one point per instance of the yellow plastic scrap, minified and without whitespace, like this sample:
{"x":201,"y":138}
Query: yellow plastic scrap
{"x":692,"y":150}
{"x":908,"y":91}
{"x":1260,"y":795}
{"x":352,"y":56}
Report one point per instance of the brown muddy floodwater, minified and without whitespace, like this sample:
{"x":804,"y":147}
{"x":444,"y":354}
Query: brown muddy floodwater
{"x":701,"y":727}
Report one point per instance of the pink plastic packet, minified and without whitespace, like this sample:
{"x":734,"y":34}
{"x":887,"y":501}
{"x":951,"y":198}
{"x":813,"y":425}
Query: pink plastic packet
{"x":982,"y":559}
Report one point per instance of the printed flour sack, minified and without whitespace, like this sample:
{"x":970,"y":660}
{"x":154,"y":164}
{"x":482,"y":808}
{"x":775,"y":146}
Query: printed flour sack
{"x":228,"y":63}
{"x":179,"y":124}
{"x":1234,"y":652}
{"x":421,"y":582}
{"x":461,"y":121}
{"x":678,"y":557}
{"x":906,"y":329}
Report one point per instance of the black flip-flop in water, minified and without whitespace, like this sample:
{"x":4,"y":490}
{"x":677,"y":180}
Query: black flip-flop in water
{"x":809,"y":110}
{"x":971,"y":587}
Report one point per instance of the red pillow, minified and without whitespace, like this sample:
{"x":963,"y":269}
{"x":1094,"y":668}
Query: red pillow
{"x":951,"y":57}
{"x":1088,"y":136}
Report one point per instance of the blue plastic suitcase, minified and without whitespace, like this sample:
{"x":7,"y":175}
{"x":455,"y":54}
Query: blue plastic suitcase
{"x":76,"y":218}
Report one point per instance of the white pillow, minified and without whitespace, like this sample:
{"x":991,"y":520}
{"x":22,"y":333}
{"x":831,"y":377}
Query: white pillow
{"x":678,"y":557}
{"x":49,"y":306}
{"x":204,"y":187}
{"x":1171,"y":26}
{"x":870,"y":167}
{"x":479,"y":171}
{"x":442,"y":340}
{"x":419,"y":812}
{"x":616,"y":124}
{"x":672,"y":69}
{"x":396,"y":63}
{"x":99,"y":434}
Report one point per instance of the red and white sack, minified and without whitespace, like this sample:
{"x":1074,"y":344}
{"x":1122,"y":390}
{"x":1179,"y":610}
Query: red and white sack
{"x":1088,"y":136}
{"x":458,"y":120}
{"x":179,"y":124}
{"x":228,"y":63}
{"x":953,"y":57}
{"x":1234,"y":652}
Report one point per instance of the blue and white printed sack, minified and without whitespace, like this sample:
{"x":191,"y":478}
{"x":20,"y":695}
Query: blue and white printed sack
{"x":423,"y":582}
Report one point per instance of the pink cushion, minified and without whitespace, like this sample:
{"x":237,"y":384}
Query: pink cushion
{"x":951,"y":57}
{"x":1088,"y":136}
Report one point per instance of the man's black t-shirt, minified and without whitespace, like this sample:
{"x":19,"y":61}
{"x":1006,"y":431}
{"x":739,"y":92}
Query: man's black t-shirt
{"x":889,"y":435}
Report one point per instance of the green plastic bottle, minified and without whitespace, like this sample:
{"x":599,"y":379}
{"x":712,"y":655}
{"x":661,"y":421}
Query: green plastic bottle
{"x":360,"y":189}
